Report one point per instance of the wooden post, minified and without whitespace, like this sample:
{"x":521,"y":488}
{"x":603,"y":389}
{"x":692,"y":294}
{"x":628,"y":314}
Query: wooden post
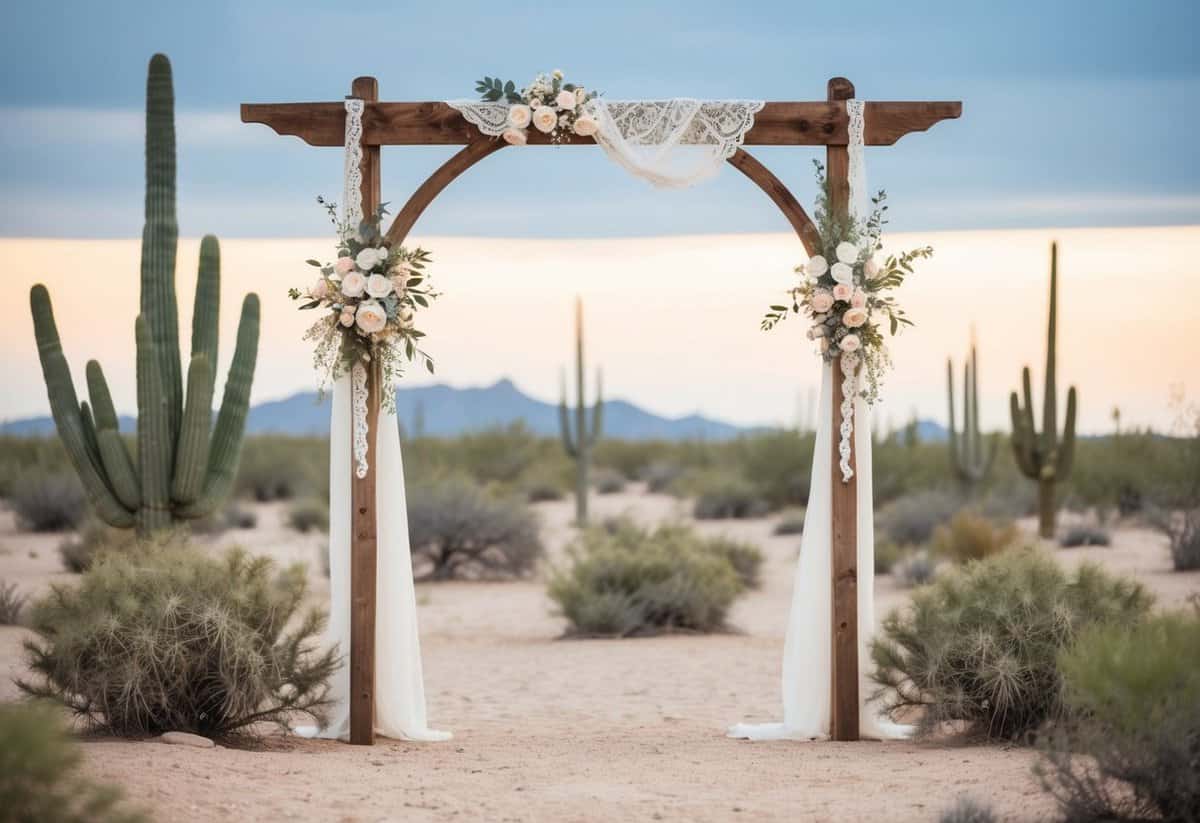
{"x":362,"y":501}
{"x":844,"y":499}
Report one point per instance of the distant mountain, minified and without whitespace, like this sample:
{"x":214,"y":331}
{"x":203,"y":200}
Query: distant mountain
{"x":447,"y":411}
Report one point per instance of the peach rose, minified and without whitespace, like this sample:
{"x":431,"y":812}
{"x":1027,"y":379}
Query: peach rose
{"x":544,"y":119}
{"x":346,"y":318}
{"x":354,"y":284}
{"x":565,"y":99}
{"x":822,"y":301}
{"x":344,"y":265}
{"x":853,"y":318}
{"x":586,"y":126}
{"x":371,"y":317}
{"x":842,"y":291}
{"x":850,"y":343}
{"x":519,"y":115}
{"x":320,"y":290}
{"x":515,"y":137}
{"x":379,"y":286}
{"x":859,"y":299}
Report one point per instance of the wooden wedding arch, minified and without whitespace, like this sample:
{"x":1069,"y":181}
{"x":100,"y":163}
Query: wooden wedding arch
{"x":823,"y":123}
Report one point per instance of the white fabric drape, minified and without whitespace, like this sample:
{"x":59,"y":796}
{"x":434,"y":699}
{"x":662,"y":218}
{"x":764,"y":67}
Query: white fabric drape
{"x":807,"y":688}
{"x":399,"y":682}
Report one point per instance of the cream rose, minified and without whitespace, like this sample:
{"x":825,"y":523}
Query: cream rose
{"x":544,"y":119}
{"x":367,"y":259}
{"x":347,"y":318}
{"x":515,"y":137}
{"x":371,"y":317}
{"x":586,"y":126}
{"x":850,"y":343}
{"x":519,"y":115}
{"x":354,"y":284}
{"x":859,"y":299}
{"x":344,"y":265}
{"x":565,"y":99}
{"x":870,"y":267}
{"x":816,"y":266}
{"x":847,"y":253}
{"x":842,"y":291}
{"x":379,"y":286}
{"x":406,"y":317}
{"x":853,"y":318}
{"x":842,"y":273}
{"x":320,"y":290}
{"x":822,"y":301}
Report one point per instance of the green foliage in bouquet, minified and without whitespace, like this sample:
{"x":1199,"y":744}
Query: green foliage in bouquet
{"x":161,"y":637}
{"x":979,"y":646}
{"x":184,"y":466}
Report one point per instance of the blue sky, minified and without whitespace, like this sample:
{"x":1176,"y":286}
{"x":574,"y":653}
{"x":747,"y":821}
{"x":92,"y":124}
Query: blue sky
{"x":1075,"y":114}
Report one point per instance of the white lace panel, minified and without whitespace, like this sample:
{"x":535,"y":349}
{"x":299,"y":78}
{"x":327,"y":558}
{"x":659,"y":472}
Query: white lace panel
{"x":671,"y":143}
{"x":358,"y":416}
{"x":856,"y":173}
{"x":846,"y":429}
{"x":352,"y":169}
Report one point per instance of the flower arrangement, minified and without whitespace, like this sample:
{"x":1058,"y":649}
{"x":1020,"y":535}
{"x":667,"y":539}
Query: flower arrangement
{"x":846,"y":300}
{"x":551,"y":106}
{"x":371,"y":295}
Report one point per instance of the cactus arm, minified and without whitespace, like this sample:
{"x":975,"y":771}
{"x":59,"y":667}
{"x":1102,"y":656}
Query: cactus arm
{"x":114,"y":454}
{"x":206,"y":312}
{"x":64,"y":406}
{"x":153,"y":433}
{"x":191,"y":451}
{"x":598,"y":409}
{"x":1066,"y":451}
{"x":1022,"y":438}
{"x":226,"y":443}
{"x":1050,"y":399}
{"x":159,"y":240}
{"x":89,"y":437}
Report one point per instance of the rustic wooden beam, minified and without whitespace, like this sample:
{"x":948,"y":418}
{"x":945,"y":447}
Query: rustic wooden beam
{"x":436,"y":123}
{"x":844,"y":498}
{"x":363,"y":537}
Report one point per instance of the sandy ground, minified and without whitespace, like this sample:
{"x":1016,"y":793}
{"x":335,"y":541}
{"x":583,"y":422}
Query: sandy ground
{"x":560,"y":730}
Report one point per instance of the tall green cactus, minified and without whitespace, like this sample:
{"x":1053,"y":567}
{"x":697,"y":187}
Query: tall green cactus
{"x":966,"y":448}
{"x":182,"y":469}
{"x":1044,"y":457}
{"x":579,"y":446}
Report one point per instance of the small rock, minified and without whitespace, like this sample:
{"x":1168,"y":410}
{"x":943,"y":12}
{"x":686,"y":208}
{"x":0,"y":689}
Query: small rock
{"x":186,"y":739}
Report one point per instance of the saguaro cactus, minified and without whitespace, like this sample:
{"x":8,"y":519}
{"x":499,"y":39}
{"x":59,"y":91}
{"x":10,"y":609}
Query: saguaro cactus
{"x":182,"y":469}
{"x":1044,"y":457}
{"x":966,"y":448}
{"x":579,"y":446}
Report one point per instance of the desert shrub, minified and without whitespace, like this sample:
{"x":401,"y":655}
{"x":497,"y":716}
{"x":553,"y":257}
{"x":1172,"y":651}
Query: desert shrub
{"x":911,"y":520}
{"x":237,"y":517}
{"x":887,"y":555}
{"x":1084,"y":535}
{"x":542,"y":492}
{"x":661,"y":475}
{"x":746,"y":558}
{"x":230,"y":516}
{"x":162,"y":637}
{"x":1129,"y":749}
{"x":780,"y":462}
{"x":1182,"y":529}
{"x":309,"y":514}
{"x":48,"y":501}
{"x":39,"y":773}
{"x":458,"y":530}
{"x":275,"y":467}
{"x":94,"y":536}
{"x":720,"y":496}
{"x":545,"y":482}
{"x":608,"y":481}
{"x":11,"y":604}
{"x":914,"y":568}
{"x":967,"y":810}
{"x":790,"y":522}
{"x":625,"y":580}
{"x":980,"y":644}
{"x":971,"y":536}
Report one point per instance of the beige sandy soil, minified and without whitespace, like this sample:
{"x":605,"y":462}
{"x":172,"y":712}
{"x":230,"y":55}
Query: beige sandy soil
{"x":561,"y":730}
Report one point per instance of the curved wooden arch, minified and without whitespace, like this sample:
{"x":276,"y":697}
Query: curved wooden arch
{"x":476,"y":150}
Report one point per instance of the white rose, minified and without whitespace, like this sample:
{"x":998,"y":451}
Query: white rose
{"x":515,"y":137}
{"x":406,"y":317}
{"x":544,"y":119}
{"x":870,"y":267}
{"x":816,"y":266}
{"x":586,"y":126}
{"x":847,"y":252}
{"x":565,"y":99}
{"x":853,"y":318}
{"x":367,"y":259}
{"x":347,"y":318}
{"x":842,"y":273}
{"x":519,"y":115}
{"x":850,"y":343}
{"x":354,"y":284}
{"x":371,"y":317}
{"x":378,"y":286}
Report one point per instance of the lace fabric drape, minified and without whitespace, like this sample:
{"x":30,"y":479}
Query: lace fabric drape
{"x":670,"y":143}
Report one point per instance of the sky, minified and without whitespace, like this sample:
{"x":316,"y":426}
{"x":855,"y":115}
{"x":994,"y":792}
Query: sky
{"x":1079,"y":123}
{"x":1075,"y":113}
